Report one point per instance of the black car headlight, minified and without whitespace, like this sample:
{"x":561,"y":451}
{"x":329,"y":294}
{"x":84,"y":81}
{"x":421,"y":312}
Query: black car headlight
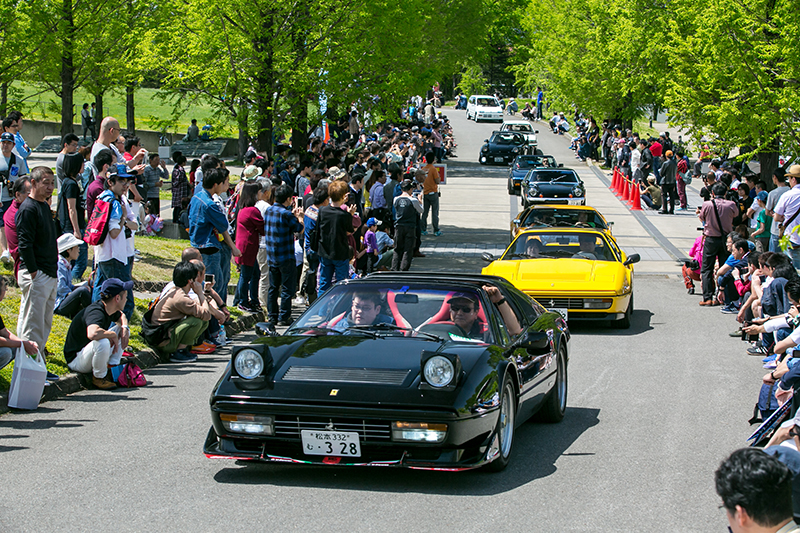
{"x":577,"y":191}
{"x":533,"y":190}
{"x":440,"y":370}
{"x":250,"y":364}
{"x":249,"y":424}
{"x":485,"y":148}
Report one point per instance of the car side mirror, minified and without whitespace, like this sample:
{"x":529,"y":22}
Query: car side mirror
{"x":486,"y":140}
{"x":535,"y":131}
{"x":515,"y":222}
{"x":535,"y":341}
{"x":632,"y":259}
{"x":486,"y":256}
{"x":610,"y":224}
{"x":560,"y":165}
{"x":265,"y":329}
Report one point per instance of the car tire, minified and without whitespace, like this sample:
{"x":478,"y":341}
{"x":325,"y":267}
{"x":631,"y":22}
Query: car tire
{"x":511,"y":191}
{"x":625,"y":322}
{"x":536,"y":151}
{"x":505,"y":426}
{"x":555,"y":406}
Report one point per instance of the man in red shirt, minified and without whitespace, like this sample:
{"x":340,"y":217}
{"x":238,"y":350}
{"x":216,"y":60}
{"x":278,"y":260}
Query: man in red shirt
{"x":20,"y":191}
{"x":656,"y":149}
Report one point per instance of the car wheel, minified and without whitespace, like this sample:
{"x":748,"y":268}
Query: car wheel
{"x":555,"y":405}
{"x":505,"y":426}
{"x":536,"y":151}
{"x":625,"y":322}
{"x":511,"y":191}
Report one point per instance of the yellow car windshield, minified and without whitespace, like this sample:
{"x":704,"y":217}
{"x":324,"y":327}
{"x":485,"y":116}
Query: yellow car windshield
{"x":560,"y":245}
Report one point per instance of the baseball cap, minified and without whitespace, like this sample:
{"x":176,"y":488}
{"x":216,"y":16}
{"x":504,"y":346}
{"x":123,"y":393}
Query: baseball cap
{"x":762,"y":196}
{"x":114,"y":286}
{"x":372,"y":221}
{"x":122,"y":172}
{"x":6,"y":137}
{"x":463,"y":297}
{"x":67,"y":241}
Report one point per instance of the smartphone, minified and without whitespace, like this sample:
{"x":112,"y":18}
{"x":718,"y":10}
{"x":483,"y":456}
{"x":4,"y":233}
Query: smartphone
{"x":210,"y":278}
{"x":298,"y":202}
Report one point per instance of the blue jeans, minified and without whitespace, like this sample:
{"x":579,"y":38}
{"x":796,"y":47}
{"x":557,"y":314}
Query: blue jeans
{"x":6,"y":356}
{"x":327,"y":268}
{"x":113,"y":269}
{"x":281,"y":277}
{"x":430,"y":203}
{"x":795,"y":255}
{"x":773,"y":243}
{"x":248,"y":282}
{"x":219,"y":264}
{"x":81,"y":262}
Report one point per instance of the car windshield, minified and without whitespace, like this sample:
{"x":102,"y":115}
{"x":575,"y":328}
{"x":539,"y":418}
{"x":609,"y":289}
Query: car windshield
{"x":488,"y":102}
{"x":506,"y":138}
{"x":561,"y":176}
{"x":560,"y":245}
{"x":397,"y":309}
{"x":563,"y":217}
{"x":525,"y":128}
{"x":535,"y":161}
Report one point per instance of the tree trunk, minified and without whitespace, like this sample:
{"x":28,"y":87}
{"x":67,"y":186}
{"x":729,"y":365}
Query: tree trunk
{"x":98,"y":100}
{"x":299,"y":132}
{"x":3,"y":99}
{"x":67,"y":68}
{"x":265,"y":80}
{"x":241,"y":120}
{"x":130,"y":112}
{"x":768,"y":162}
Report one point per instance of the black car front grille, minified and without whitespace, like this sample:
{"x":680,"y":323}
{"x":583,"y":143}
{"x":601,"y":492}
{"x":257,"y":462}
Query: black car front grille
{"x":373,"y":376}
{"x":289,"y":427}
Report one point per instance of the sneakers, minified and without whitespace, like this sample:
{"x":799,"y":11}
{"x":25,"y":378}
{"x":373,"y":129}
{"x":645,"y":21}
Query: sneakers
{"x":758,"y":350}
{"x":244,"y":309}
{"x":300,"y":301}
{"x":737,"y":333}
{"x":6,"y":258}
{"x":424,"y":232}
{"x":182,"y":356}
{"x":52,"y":377}
{"x":729,"y":309}
{"x":204,"y":348}
{"x":706,"y":303}
{"x":417,"y":253}
{"x":285,"y":323}
{"x":437,"y":233}
{"x":103,"y":383}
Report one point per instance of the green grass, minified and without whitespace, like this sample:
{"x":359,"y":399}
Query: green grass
{"x":149,"y":107}
{"x":9,"y":309}
{"x":160,"y":255}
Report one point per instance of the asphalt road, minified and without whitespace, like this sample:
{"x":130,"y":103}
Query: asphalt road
{"x":651,"y":413}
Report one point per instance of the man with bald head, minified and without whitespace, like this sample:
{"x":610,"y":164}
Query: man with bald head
{"x":106,"y":138}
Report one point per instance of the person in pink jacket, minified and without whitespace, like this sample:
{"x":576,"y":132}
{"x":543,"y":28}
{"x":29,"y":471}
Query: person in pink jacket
{"x":690,"y":274}
{"x":249,"y":231}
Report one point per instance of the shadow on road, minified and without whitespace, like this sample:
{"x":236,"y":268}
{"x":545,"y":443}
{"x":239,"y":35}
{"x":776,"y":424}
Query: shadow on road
{"x":640,"y":323}
{"x":537,"y":447}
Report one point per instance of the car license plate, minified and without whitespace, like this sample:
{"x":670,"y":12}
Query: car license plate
{"x":575,"y":201}
{"x":499,"y":159}
{"x":563,"y":311}
{"x":340,"y":443}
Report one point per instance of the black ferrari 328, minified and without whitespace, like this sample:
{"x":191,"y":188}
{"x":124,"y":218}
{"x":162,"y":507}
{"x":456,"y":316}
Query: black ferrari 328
{"x":409,"y":370}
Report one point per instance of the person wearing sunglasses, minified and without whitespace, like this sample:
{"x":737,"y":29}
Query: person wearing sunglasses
{"x":464,"y":308}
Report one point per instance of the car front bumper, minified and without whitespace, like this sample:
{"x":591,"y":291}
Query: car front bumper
{"x":470,"y":442}
{"x":489,"y":116}
{"x":574,"y":305}
{"x":561,"y":201}
{"x":489,"y":158}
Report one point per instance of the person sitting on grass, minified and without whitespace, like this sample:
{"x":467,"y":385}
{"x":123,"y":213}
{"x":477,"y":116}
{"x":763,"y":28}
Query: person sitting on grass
{"x":99,"y":333}
{"x":69,"y":298}
{"x":188,"y":317}
{"x":8,"y":341}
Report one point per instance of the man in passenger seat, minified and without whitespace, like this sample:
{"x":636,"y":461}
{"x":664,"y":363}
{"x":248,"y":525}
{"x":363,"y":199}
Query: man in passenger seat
{"x":464,"y":313}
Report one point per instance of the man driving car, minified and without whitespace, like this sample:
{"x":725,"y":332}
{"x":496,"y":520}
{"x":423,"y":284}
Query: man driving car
{"x":365,"y":309}
{"x":587,"y":244}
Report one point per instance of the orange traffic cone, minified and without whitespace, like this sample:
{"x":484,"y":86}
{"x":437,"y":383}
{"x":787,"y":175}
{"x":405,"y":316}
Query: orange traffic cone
{"x":625,"y":191}
{"x":636,"y":198}
{"x":614,"y":180}
{"x":618,"y":187}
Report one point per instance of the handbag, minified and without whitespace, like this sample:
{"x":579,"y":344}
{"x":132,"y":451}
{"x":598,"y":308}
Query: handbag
{"x":154,"y":334}
{"x":131,"y":376}
{"x":27,"y":380}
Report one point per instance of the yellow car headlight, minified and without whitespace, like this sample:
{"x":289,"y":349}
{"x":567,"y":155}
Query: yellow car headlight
{"x":626,"y":286}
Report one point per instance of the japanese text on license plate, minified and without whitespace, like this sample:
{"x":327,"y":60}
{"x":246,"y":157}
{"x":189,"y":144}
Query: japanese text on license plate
{"x":337,"y":443}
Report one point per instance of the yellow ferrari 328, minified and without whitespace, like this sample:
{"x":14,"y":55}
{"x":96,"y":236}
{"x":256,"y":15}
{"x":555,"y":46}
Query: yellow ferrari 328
{"x":580,"y":272}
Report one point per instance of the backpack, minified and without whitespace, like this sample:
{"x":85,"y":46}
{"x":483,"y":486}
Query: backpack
{"x":97,"y":227}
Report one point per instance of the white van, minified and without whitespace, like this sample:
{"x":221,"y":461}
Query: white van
{"x":483,"y":107}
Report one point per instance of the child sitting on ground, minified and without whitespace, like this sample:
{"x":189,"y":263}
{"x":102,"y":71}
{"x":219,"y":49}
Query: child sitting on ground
{"x":152,"y":222}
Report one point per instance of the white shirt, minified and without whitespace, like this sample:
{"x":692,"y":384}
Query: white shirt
{"x":788,"y":205}
{"x":133,"y":217}
{"x":262,"y":206}
{"x":113,"y":248}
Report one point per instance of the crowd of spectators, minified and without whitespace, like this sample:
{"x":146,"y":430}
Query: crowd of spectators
{"x":295,"y":224}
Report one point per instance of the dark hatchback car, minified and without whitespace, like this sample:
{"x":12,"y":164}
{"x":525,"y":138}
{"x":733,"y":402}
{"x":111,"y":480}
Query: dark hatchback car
{"x":503,"y":147}
{"x":522,"y":164}
{"x":552,"y":186}
{"x":404,"y":370}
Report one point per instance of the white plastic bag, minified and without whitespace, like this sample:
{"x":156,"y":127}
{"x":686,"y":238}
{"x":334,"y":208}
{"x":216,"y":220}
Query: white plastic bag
{"x":27,"y":381}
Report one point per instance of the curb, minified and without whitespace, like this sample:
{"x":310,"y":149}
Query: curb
{"x":148,"y":358}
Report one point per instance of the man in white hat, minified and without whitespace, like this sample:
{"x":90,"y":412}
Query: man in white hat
{"x":69,"y":298}
{"x":787,"y":213}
